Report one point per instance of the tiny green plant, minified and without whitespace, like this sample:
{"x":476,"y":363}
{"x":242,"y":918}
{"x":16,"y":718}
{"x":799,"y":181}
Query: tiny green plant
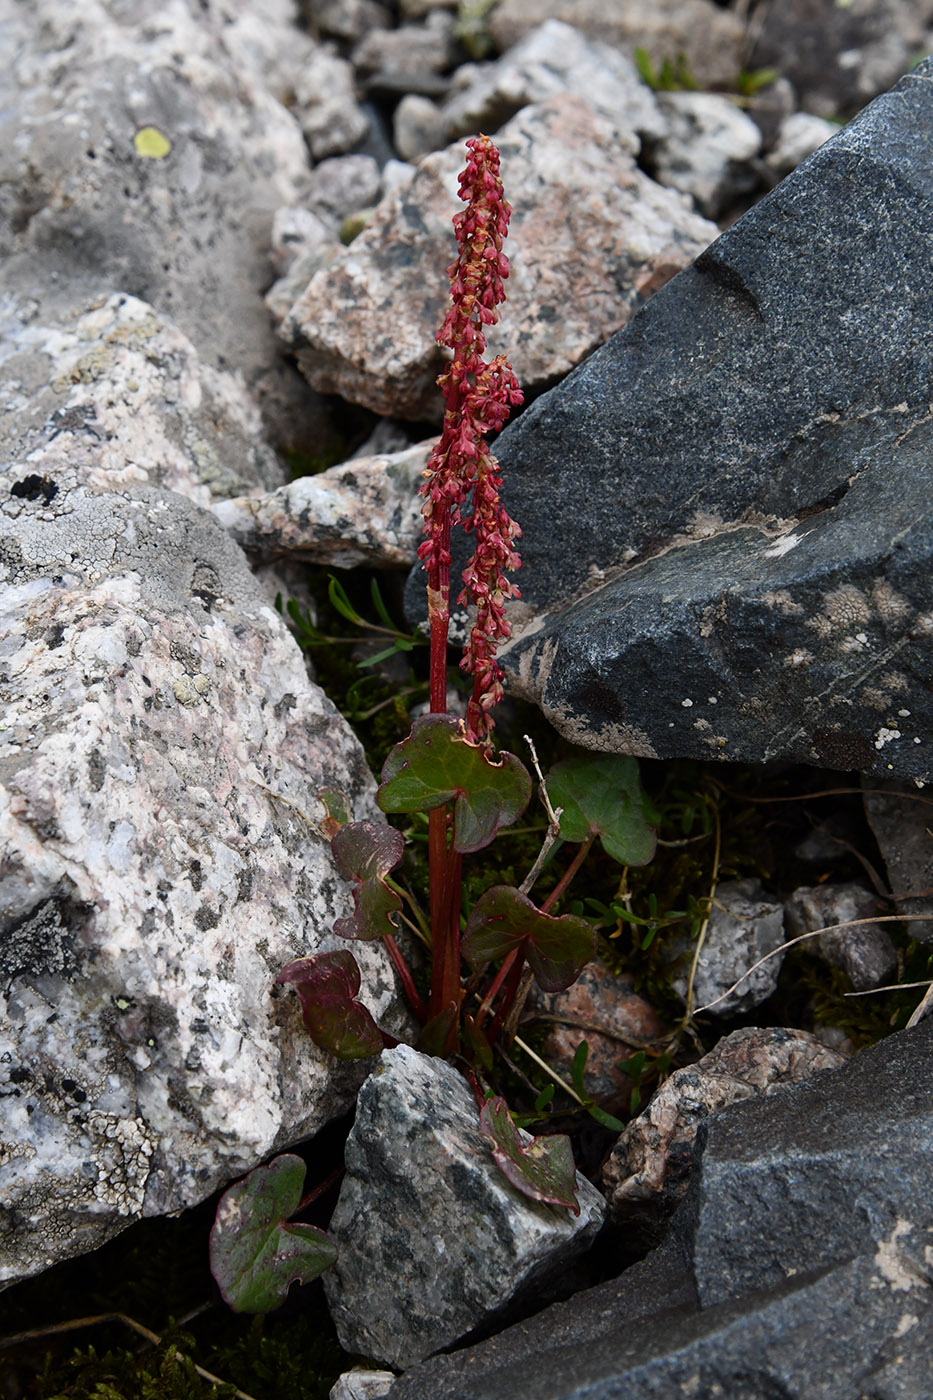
{"x":447,"y":769}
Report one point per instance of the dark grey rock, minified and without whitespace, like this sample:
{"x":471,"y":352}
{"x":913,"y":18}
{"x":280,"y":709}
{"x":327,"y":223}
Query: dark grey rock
{"x":901,"y":821}
{"x":726,"y":515}
{"x":797,"y":1267}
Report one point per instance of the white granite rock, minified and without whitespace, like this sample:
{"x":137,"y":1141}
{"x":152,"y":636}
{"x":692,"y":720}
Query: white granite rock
{"x":161,"y":751}
{"x":708,"y":149}
{"x":744,"y":926}
{"x":432,"y":1240}
{"x":418,"y":127}
{"x":799,"y":135}
{"x":362,"y":1384}
{"x":326,"y":105}
{"x":591,"y":238}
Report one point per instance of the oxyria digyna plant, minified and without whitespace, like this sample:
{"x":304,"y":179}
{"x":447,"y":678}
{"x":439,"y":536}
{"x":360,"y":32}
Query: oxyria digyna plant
{"x":447,"y":768}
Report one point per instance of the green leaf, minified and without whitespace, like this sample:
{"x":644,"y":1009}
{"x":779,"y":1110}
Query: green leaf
{"x":544,"y":1098}
{"x":256,"y":1254}
{"x":327,"y":984}
{"x":436,"y":764}
{"x":602,"y":793}
{"x":337,"y":807}
{"x":578,"y":1067}
{"x":557,"y":949}
{"x":542,"y":1169}
{"x":435,"y":1035}
{"x":604,"y":1119}
{"x":341,"y":603}
{"x":381,"y":609}
{"x":365,"y":852}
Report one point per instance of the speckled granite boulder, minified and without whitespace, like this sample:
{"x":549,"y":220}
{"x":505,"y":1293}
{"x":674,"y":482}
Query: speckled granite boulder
{"x":432,"y":1240}
{"x":586,"y":222}
{"x":161,"y":750}
{"x":727,"y":531}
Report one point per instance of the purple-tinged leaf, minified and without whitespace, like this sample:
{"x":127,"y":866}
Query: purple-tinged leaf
{"x":602,"y":793}
{"x":542,"y":1169}
{"x":365,"y":852}
{"x":256,"y":1252}
{"x":327,"y":984}
{"x":437,"y":764}
{"x":435,"y":1035}
{"x":557,"y":949}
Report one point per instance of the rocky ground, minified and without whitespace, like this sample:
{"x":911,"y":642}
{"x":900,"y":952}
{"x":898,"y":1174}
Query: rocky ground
{"x":224,"y":230}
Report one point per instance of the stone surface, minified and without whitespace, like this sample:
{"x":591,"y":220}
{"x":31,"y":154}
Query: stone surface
{"x":342,"y":185}
{"x":409,"y":58}
{"x":707,"y":150}
{"x":605,"y":1011}
{"x":326,"y":105}
{"x":418,"y":127}
{"x":744,"y":926}
{"x":649,"y":1168}
{"x":553,"y":58}
{"x":161,"y":750}
{"x":361,"y":1384}
{"x":711,"y":39}
{"x":585,"y":218}
{"x":864,"y":953}
{"x":797,"y":1266}
{"x":901,"y":821}
{"x":798,"y":136}
{"x":186,"y":230}
{"x":726,"y":521}
{"x":838,"y":57}
{"x":112,"y":388}
{"x":365,"y":512}
{"x":432,"y":1240}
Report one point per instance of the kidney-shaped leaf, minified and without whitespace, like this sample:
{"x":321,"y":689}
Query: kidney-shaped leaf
{"x":437,"y":764}
{"x":256,"y":1253}
{"x":327,"y":984}
{"x":557,"y":949}
{"x":365,"y":852}
{"x":542,"y":1168}
{"x":602,"y":793}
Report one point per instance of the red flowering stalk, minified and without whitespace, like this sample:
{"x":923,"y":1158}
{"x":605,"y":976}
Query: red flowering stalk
{"x":478,"y":397}
{"x":477,"y":400}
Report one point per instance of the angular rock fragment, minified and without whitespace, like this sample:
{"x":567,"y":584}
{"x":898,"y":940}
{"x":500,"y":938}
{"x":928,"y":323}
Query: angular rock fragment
{"x":366,"y":511}
{"x":584,"y":219}
{"x":744,"y":927}
{"x":726,"y":517}
{"x":161,"y":858}
{"x":864,"y":952}
{"x":797,"y":1266}
{"x":901,"y":820}
{"x":710,"y":39}
{"x":707,"y":150}
{"x":648,"y":1170}
{"x":432,"y":1239}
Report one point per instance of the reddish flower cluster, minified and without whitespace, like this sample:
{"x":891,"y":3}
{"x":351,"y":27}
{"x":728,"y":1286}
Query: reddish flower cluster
{"x":478,"y":398}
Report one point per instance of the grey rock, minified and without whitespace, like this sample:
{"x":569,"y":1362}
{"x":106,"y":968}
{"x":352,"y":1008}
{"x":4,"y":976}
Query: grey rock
{"x":707,"y":151}
{"x":299,"y":233}
{"x":418,"y":127}
{"x":584,"y":218}
{"x":364,"y":512}
{"x":864,"y":953}
{"x":348,"y":20}
{"x":649,"y":1168}
{"x":798,"y":136}
{"x":901,"y":822}
{"x":744,"y":927}
{"x":110,"y":387}
{"x":362,"y":1384}
{"x":797,"y":1266}
{"x":553,"y":58}
{"x":711,"y":39}
{"x":417,"y":9}
{"x":432,"y":1240}
{"x":402,"y":59}
{"x":741,"y":561}
{"x":83,"y":211}
{"x":838,"y":57}
{"x":326,"y":105}
{"x":161,"y":751}
{"x":342,"y":185}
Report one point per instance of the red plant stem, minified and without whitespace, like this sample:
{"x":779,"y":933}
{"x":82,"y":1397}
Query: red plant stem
{"x":319,"y":1190}
{"x":508,"y":998}
{"x":405,"y":977}
{"x":568,"y":874}
{"x":493,"y":992}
